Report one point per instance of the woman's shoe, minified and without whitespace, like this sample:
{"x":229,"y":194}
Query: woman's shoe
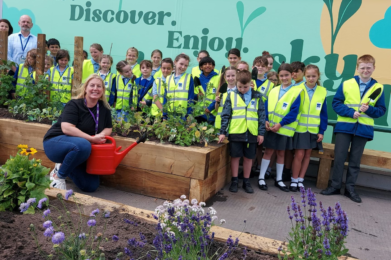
{"x":283,"y":188}
{"x":262,"y":186}
{"x":293,"y":187}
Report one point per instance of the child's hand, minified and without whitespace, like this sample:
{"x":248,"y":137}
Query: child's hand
{"x":267,"y":125}
{"x":217,"y":99}
{"x":207,"y":111}
{"x":356,"y":115}
{"x":364,"y":108}
{"x":320,"y":138}
{"x":221,"y":138}
{"x":260,"y":139}
{"x":132,"y":109}
{"x":276,"y":127}
{"x":143,"y":103}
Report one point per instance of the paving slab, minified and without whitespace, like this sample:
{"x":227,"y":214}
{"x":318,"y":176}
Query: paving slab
{"x":265,"y":213}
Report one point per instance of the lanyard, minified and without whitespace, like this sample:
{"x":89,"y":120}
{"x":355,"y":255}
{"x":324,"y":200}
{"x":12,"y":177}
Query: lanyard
{"x":96,"y":119}
{"x":28,"y":38}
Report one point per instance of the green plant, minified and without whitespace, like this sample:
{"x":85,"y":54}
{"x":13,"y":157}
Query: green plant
{"x":22,"y":178}
{"x":5,"y":81}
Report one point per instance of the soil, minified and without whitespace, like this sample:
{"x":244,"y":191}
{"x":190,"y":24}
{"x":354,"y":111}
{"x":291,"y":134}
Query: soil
{"x":4,"y":113}
{"x":16,"y":241}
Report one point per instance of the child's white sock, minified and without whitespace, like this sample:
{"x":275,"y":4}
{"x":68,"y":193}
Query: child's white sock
{"x":301,"y":180}
{"x":264,"y":165}
{"x":279,"y":168}
{"x":294,"y":182}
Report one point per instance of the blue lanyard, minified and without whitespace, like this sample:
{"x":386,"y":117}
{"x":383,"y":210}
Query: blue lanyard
{"x":28,"y":38}
{"x":96,"y":119}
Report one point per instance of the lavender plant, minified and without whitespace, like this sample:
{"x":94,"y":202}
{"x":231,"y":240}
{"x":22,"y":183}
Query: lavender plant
{"x":71,"y":239}
{"x":313,"y":236}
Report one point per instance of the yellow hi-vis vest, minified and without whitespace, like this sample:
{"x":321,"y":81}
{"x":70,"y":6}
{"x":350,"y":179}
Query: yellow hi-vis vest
{"x":265,"y":89}
{"x":211,"y":89}
{"x":23,"y":73}
{"x":158,"y":74}
{"x":351,"y":91}
{"x":123,"y":93}
{"x":136,"y":70}
{"x":177,"y":94}
{"x":220,"y":111}
{"x":108,"y":84}
{"x":62,"y":85}
{"x":279,"y":108}
{"x":196,"y":72}
{"x":310,"y":110}
{"x":243,"y":117}
{"x":161,"y":88}
{"x":88,"y":69}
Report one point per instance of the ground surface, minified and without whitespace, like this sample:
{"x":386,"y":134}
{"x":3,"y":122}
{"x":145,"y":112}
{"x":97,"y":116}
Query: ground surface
{"x":265,"y":212}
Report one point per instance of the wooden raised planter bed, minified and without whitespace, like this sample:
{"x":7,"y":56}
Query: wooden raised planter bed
{"x":153,"y":169}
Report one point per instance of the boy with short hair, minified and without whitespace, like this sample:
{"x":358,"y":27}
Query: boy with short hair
{"x":244,"y":117}
{"x":356,"y":113}
{"x":298,"y":72}
{"x":145,"y":83}
{"x":54,"y":47}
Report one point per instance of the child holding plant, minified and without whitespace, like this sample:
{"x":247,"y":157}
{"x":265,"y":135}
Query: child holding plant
{"x":156,"y":58}
{"x":243,"y":118}
{"x":144,"y":83}
{"x":108,"y":77}
{"x":92,"y":66}
{"x":282,"y":115}
{"x":24,"y":70}
{"x":311,"y":127}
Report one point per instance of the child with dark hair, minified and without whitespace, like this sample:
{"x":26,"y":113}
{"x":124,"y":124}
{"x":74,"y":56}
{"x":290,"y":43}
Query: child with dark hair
{"x":125,"y":90}
{"x":61,"y":77}
{"x":53,"y":46}
{"x":210,"y":82}
{"x":298,"y":72}
{"x":243,"y":118}
{"x":270,"y":60}
{"x":144,"y":84}
{"x":282,"y":115}
{"x":196,"y":71}
{"x":85,"y":54}
{"x":234,"y":57}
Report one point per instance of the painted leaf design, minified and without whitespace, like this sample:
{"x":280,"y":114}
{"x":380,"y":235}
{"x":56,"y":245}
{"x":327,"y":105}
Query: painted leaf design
{"x":240,"y":10}
{"x":329,"y":4}
{"x":347,"y":9}
{"x":257,"y":12}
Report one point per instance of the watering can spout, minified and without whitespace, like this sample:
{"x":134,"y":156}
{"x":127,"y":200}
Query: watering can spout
{"x":120,"y":155}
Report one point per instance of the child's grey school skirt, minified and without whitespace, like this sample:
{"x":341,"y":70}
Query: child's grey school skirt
{"x":277,"y":141}
{"x":305,"y":141}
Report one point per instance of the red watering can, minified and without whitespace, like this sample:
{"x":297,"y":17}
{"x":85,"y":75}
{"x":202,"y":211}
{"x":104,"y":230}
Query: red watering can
{"x":105,"y":158}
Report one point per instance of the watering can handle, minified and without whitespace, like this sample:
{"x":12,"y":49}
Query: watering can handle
{"x":110,"y":138}
{"x":142,"y":138}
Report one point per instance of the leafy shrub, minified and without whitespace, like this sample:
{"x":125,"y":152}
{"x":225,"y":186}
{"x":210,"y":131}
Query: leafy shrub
{"x":22,"y":178}
{"x":5,"y":81}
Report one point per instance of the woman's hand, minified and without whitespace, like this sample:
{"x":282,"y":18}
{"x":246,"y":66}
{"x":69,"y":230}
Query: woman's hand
{"x":98,"y":139}
{"x":320,"y":138}
{"x":267,"y":126}
{"x":276,"y":127}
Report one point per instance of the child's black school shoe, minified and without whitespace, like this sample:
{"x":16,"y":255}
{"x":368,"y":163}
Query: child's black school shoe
{"x":283,"y":188}
{"x":262,"y":186}
{"x":294,"y":187}
{"x":233,"y":187}
{"x":247,"y":187}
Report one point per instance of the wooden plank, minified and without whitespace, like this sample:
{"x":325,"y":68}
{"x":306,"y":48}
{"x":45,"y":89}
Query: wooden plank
{"x":202,"y":190}
{"x":145,"y":182}
{"x":218,"y":158}
{"x":78,"y":59}
{"x":3,"y":45}
{"x":7,"y":150}
{"x":323,"y":173}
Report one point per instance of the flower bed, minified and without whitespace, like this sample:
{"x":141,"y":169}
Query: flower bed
{"x":153,"y":169}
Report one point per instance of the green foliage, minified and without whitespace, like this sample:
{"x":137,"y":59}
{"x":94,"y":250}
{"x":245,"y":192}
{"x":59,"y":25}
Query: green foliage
{"x":22,"y":178}
{"x":5,"y":81}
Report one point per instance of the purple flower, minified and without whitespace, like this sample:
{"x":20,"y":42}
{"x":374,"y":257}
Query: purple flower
{"x":128,"y":252}
{"x":107,"y":214}
{"x":31,"y":201}
{"x":46,"y":213}
{"x":48,"y":232}
{"x":47,"y":224}
{"x":115,"y":238}
{"x":24,"y":206}
{"x":94,"y":212}
{"x":68,"y":193}
{"x":41,"y":201}
{"x":306,"y":255}
{"x":326,"y":243}
{"x":5,"y":174}
{"x":91,"y":222}
{"x":58,"y":238}
{"x":82,"y":236}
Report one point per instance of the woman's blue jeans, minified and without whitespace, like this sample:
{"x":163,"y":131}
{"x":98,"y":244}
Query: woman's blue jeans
{"x":72,"y":152}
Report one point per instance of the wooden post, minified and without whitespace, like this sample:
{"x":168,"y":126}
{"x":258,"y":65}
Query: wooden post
{"x":323,"y":173}
{"x":41,"y":52}
{"x":78,"y":59}
{"x":3,"y":45}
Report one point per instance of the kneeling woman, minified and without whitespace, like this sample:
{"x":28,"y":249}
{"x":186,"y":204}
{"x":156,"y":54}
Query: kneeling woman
{"x":85,"y":120}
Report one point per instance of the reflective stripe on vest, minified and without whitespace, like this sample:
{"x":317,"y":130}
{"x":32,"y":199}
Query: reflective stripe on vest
{"x":23,"y":73}
{"x":265,"y":89}
{"x":243,"y":117}
{"x":220,"y":111}
{"x":62,"y":85}
{"x":160,"y":92}
{"x":108,"y":84}
{"x":210,"y":94}
{"x":351,"y":91}
{"x":123,"y":93}
{"x":310,"y":110}
{"x":279,"y":108}
{"x":178,"y":94}
{"x":88,"y":69}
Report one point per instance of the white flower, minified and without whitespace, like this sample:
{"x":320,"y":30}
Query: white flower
{"x":178,"y":213}
{"x":175,"y":223}
{"x":214,"y":218}
{"x":202,"y":204}
{"x":166,"y":203}
{"x":172,"y":233}
{"x":194,"y":201}
{"x":183,"y":197}
{"x":185,"y":202}
{"x":222,"y":221}
{"x":168,"y":229}
{"x":212,"y":211}
{"x":177,"y":202}
{"x":162,"y":225}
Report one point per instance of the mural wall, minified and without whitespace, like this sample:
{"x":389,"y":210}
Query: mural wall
{"x":330,"y":33}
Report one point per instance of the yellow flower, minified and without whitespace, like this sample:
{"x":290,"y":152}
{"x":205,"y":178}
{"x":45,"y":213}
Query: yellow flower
{"x":23,"y":151}
{"x":23,"y":146}
{"x":39,"y":161}
{"x":197,"y":134}
{"x":29,"y":151}
{"x":35,"y":165}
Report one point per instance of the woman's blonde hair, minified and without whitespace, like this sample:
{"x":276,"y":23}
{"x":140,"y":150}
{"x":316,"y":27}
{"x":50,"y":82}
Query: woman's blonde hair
{"x":83,"y":88}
